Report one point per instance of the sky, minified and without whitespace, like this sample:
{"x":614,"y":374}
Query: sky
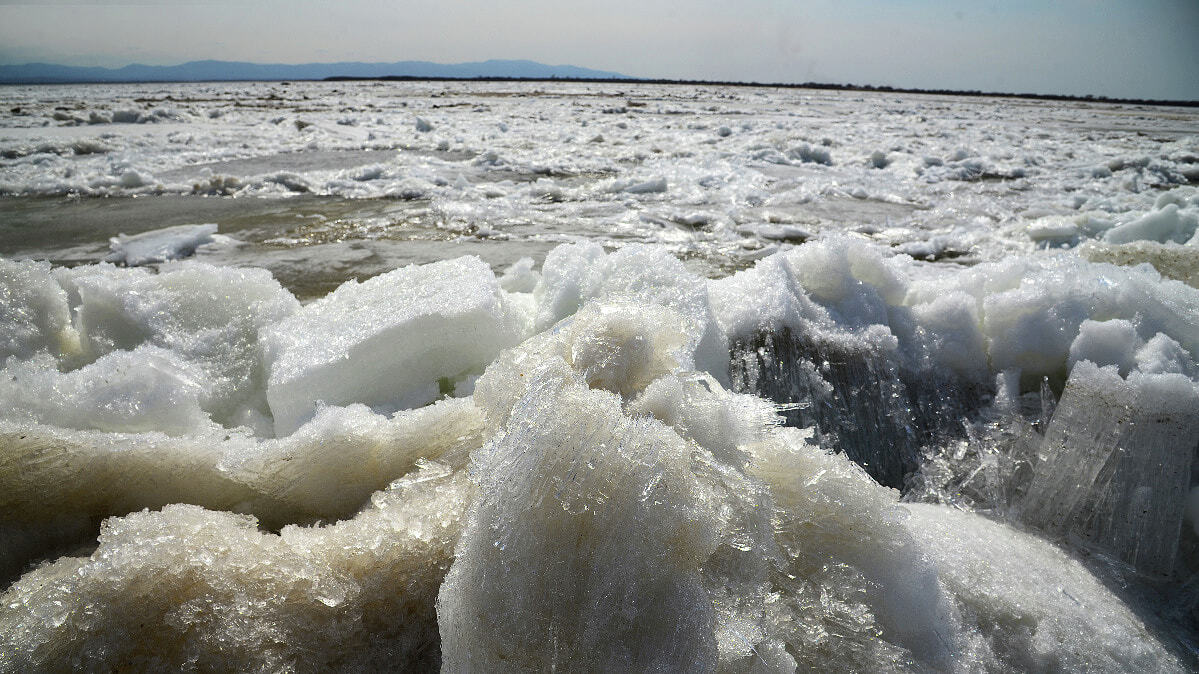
{"x":1120,"y":48}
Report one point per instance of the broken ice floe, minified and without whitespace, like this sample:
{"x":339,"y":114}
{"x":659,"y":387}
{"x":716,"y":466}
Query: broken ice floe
{"x":161,"y":245}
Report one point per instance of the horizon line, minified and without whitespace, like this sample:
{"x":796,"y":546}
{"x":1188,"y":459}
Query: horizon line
{"x":617,"y":78}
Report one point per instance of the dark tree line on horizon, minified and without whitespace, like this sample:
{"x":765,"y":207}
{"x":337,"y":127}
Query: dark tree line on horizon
{"x":1089,"y":98}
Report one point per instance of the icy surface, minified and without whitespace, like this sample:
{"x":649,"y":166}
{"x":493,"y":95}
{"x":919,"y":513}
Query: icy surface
{"x":621,"y":512}
{"x":1034,"y":622}
{"x":196,"y":589}
{"x":172,"y":243}
{"x":34,"y":311}
{"x":563,"y":376}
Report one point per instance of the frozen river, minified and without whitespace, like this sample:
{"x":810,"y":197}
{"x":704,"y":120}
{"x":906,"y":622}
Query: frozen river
{"x":729,"y":379}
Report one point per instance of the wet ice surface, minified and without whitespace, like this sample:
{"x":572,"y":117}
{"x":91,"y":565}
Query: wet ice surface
{"x":508,"y":377}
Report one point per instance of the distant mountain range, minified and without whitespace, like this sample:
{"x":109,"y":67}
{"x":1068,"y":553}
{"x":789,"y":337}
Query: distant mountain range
{"x":202,"y":71}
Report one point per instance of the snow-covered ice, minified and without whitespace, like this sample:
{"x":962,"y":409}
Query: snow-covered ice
{"x":532,"y":376}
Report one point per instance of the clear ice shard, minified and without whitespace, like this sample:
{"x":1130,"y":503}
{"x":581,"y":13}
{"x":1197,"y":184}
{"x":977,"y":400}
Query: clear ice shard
{"x":1114,"y":467}
{"x":858,"y":398}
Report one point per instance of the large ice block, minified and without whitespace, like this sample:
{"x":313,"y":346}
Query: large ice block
{"x":388,"y":341}
{"x":209,"y":316}
{"x":1115,"y":464}
{"x":584,"y":550}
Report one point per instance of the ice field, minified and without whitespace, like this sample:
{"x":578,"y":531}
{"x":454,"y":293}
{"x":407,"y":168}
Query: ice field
{"x":580,"y":377}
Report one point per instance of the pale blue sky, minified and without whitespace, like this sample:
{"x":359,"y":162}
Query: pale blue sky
{"x":1126,"y":48}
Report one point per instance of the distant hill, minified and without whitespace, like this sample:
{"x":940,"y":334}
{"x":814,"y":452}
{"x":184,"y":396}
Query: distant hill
{"x":202,"y":71}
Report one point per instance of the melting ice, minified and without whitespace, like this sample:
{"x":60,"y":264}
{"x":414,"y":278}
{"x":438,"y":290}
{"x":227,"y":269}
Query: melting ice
{"x":725,"y":415}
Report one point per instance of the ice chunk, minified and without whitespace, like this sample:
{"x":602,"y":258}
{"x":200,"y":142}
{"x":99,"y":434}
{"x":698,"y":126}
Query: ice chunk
{"x":126,"y":391}
{"x":855,"y":394}
{"x":559,"y":291}
{"x":126,"y":116}
{"x":791,"y":233}
{"x":1032,"y":310}
{"x":206,"y":315}
{"x":577,"y":274}
{"x":576,"y":470}
{"x":1113,"y":342}
{"x":129,"y":179}
{"x":388,"y":341}
{"x":52,"y":474}
{"x":328,"y":467}
{"x":844,"y":335}
{"x":189,"y":588}
{"x":583,"y":551}
{"x":698,"y":408}
{"x":520,"y":277}
{"x":1170,"y":260}
{"x":651,"y":186}
{"x":1084,"y":431}
{"x":1054,"y":230}
{"x":621,"y":348}
{"x":932,"y":249}
{"x":34,"y":315}
{"x":1167,"y":223}
{"x":810,"y":154}
{"x":159,"y":245}
{"x":324,"y":471}
{"x":823,"y":336}
{"x":1161,"y":354}
{"x":828,"y":508}
{"x":1115,"y":464}
{"x":585,"y":545}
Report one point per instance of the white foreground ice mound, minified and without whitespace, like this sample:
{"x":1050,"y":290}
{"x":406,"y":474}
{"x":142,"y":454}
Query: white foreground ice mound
{"x":33,"y":311}
{"x":388,"y":341}
{"x":619,"y":509}
{"x":1043,"y":611}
